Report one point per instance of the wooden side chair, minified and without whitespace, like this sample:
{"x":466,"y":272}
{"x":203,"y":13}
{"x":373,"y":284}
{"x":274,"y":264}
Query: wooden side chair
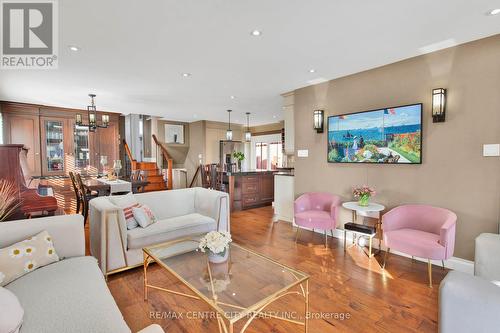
{"x":78,"y":196}
{"x":205,"y":175}
{"x":86,"y":197}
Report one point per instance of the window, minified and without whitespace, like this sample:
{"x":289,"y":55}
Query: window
{"x":275,"y":155}
{"x":268,"y":156}
{"x":261,"y":155}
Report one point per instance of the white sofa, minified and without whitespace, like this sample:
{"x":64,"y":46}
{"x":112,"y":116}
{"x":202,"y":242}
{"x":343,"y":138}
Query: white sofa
{"x":472,"y":303}
{"x":69,"y":295}
{"x":180,"y":213}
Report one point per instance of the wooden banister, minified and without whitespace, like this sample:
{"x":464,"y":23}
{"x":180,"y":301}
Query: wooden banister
{"x":166,"y":157}
{"x":194,"y":177}
{"x":133,"y":161}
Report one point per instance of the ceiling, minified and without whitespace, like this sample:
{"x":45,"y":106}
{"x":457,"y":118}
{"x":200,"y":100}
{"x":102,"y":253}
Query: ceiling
{"x":133,"y":53}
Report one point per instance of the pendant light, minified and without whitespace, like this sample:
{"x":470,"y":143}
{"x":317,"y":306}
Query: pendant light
{"x":248,"y":135}
{"x":229,"y":132}
{"x":92,"y":116}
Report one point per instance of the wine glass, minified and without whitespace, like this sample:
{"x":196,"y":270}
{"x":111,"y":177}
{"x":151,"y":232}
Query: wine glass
{"x":117,"y":166}
{"x":104,"y":163}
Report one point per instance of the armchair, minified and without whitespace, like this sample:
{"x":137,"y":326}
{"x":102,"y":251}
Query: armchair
{"x":420,"y":231}
{"x":317,"y":210}
{"x":472,"y":303}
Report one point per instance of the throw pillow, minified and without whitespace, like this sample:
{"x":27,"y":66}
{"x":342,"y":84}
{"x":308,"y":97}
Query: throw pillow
{"x":144,"y":215}
{"x":127,"y":203}
{"x":11,"y":312}
{"x":26,"y":256}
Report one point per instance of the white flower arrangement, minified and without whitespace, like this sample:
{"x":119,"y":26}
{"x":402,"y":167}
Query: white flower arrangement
{"x":216,"y":242}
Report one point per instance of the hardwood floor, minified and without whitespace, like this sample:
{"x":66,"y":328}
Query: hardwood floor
{"x":341,"y":284}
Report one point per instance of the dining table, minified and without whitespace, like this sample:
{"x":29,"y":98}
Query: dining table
{"x":104,"y":189}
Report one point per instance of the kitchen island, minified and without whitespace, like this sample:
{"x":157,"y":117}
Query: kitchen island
{"x":250,"y":189}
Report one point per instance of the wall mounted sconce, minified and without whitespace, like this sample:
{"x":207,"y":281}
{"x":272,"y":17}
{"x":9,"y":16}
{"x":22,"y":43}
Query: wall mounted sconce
{"x":438,"y":105}
{"x":319,"y":119}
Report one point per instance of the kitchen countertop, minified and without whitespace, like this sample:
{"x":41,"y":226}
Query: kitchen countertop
{"x":288,"y":172}
{"x":284,"y":173}
{"x":250,"y":172}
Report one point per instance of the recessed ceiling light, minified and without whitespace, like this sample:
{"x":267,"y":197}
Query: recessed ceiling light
{"x":232,"y":97}
{"x":186,"y":74}
{"x":312,"y":70}
{"x":256,"y":33}
{"x":495,"y":11}
{"x":274,"y":116}
{"x":74,"y":48}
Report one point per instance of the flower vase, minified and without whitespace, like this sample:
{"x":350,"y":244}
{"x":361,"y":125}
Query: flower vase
{"x":218,"y":258}
{"x":239,"y":165}
{"x":364,"y":200}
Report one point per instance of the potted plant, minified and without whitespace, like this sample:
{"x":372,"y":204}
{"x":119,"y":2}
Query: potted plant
{"x":238,"y":155}
{"x":9,"y":200}
{"x":216,"y":243}
{"x":363,"y":194}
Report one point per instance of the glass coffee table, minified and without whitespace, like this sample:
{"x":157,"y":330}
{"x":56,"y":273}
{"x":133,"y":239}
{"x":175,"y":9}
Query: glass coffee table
{"x":238,"y":290}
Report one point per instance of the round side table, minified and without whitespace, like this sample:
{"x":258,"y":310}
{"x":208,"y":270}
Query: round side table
{"x":373,"y":210}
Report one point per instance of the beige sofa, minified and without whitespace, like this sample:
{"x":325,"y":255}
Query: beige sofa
{"x":69,"y":295}
{"x":180,"y":213}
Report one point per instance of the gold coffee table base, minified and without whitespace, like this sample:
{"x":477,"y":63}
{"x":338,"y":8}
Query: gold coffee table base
{"x":226,"y":324}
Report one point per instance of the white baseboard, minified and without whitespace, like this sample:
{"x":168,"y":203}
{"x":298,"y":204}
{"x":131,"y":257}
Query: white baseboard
{"x":458,"y":264}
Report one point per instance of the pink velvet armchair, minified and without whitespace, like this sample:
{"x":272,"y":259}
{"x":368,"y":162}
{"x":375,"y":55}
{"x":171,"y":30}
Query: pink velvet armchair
{"x":317,"y":210}
{"x":420,"y":231}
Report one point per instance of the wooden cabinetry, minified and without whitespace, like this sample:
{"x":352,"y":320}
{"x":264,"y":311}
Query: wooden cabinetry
{"x":251,"y":190}
{"x":56,"y":145}
{"x":21,"y":126}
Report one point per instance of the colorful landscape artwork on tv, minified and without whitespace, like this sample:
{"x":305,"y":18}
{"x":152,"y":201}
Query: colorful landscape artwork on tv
{"x":392,"y":135}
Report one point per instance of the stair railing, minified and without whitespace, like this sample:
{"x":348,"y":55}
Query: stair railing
{"x":161,"y":156}
{"x":129,"y":159}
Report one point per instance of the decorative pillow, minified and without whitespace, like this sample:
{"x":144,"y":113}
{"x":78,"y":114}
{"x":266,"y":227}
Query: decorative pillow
{"x":26,"y":256}
{"x":143,"y":215}
{"x":11,"y":312}
{"x":127,"y":203}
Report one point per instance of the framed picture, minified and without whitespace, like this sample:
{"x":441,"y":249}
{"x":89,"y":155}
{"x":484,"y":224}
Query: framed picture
{"x":389,"y":135}
{"x":174,"y":133}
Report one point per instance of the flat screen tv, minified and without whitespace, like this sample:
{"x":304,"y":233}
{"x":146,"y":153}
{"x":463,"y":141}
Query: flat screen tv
{"x":389,"y":135}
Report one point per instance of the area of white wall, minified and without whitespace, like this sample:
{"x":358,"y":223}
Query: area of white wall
{"x":133,"y":133}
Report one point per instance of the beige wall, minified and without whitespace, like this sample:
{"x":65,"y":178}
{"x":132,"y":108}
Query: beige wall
{"x":216,"y":131}
{"x":161,"y":130}
{"x":454,"y":174}
{"x":197,"y":147}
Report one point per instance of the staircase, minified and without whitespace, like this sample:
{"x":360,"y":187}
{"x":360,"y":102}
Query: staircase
{"x":155,"y":176}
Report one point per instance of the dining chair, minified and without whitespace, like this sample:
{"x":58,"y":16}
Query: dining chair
{"x":78,"y":196}
{"x":134,"y":175}
{"x":220,"y":185}
{"x":317,"y":210}
{"x":421,"y":231}
{"x":86,"y":197}
{"x":204,"y":173}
